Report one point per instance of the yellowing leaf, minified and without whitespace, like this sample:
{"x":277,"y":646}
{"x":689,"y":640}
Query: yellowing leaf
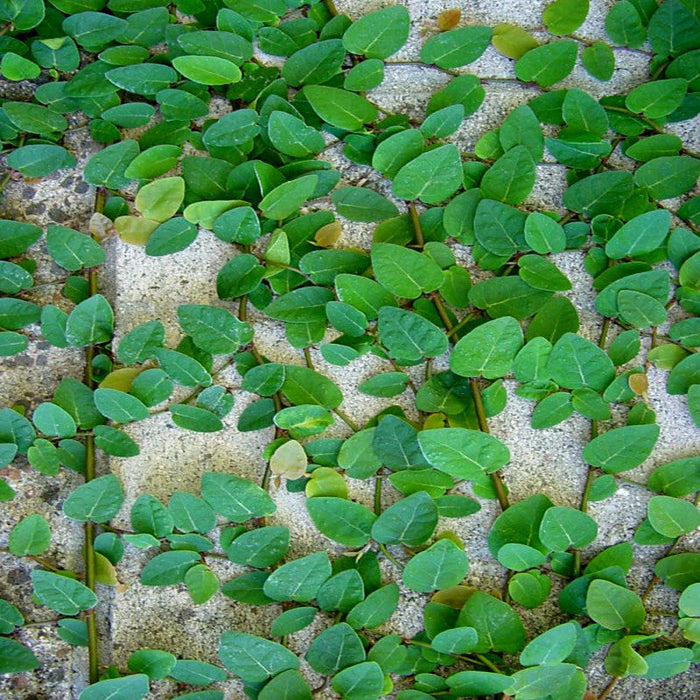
{"x":120,"y":379}
{"x":512,"y":41}
{"x":327,"y":236}
{"x":135,"y":229}
{"x":289,"y":460}
{"x":161,"y":199}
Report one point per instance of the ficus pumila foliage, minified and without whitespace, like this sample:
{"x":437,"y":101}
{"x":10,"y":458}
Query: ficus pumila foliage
{"x":172,"y":168}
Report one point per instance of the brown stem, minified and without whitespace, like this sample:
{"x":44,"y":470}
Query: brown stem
{"x":498,"y":484}
{"x":606,"y":691}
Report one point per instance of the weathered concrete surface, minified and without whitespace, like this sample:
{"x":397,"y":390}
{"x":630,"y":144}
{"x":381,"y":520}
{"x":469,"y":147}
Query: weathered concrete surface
{"x":142,"y":288}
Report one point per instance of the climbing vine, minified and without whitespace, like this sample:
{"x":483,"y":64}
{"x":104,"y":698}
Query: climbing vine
{"x":460,"y":296}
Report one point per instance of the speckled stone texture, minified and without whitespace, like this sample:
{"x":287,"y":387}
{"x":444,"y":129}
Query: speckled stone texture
{"x":142,"y":288}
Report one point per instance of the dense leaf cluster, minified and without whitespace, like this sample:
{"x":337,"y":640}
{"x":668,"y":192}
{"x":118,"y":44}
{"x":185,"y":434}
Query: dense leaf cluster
{"x":145,"y":76}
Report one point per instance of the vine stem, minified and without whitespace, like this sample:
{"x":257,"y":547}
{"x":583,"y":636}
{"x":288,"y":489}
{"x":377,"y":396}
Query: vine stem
{"x":498,"y":484}
{"x":89,"y":556}
{"x":590,"y":476}
{"x":330,"y":6}
{"x":606,"y":691}
{"x":417,"y":228}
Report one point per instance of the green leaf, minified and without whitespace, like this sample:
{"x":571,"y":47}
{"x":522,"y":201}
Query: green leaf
{"x":497,"y":625}
{"x":519,"y":557}
{"x":366,"y":75}
{"x":10,"y":617}
{"x":142,"y":79}
{"x":552,"y":410}
{"x":364,"y":681}
{"x":642,"y":234}
{"x":541,"y":273}
{"x":129,"y":115}
{"x":563,"y":528}
{"x":23,"y":15}
{"x":97,"y":501}
{"x":657,"y":99}
{"x":488,"y":350}
{"x":404,"y":272}
{"x":292,"y":621}
{"x":156,"y":664}
{"x":441,"y":566}
{"x":378,"y":34}
{"x":655,"y":146}
{"x":565,"y":16}
{"x":342,"y":591}
{"x":213,"y":329}
{"x":346,"y":319}
{"x":613,"y":606}
{"x":34,"y":118}
{"x":17,"y":313}
{"x":668,"y":662}
{"x":411,"y":521}
{"x":407,"y":336}
{"x":466,"y":683}
{"x":672,"y":517}
{"x":680,"y":477}
{"x":201,"y":583}
{"x":160,"y":200}
{"x":314,"y":64}
{"x":306,"y":386}
{"x":119,"y":406}
{"x":621,"y":449}
{"x":207,"y":70}
{"x":334,"y":649}
{"x":669,"y":176}
{"x":511,"y":178}
{"x":73,"y":250}
{"x":90,"y":322}
{"x":197,"y":673}
{"x":190,"y":513}
{"x":131,"y":687}
{"x":300,"y":579}
{"x":168,"y":568}
{"x":396,"y":151}
{"x":292,"y":136}
{"x":462,"y":453}
{"x":673,"y":30}
{"x":62,"y":594}
{"x":52,"y":420}
{"x":576,"y":363}
{"x":624,"y":25}
{"x":341,"y":520}
{"x":236,"y":499}
{"x":115,"y":442}
{"x":260,"y":548}
{"x":106,"y":168}
{"x":182,"y":368}
{"x":456,"y":47}
{"x":16,"y":237}
{"x":543,"y":234}
{"x":375,"y":609}
{"x":431,"y":177}
{"x":40,"y":159}
{"x":153,"y":162}
{"x":519,"y":524}
{"x":285,"y":199}
{"x":288,"y":685}
{"x":15,"y":657}
{"x":548,"y":64}
{"x":679,"y":570}
{"x":362,"y":204}
{"x":340,"y":108}
{"x":31,"y":535}
{"x":507,"y":296}
{"x":599,"y":60}
{"x":254,"y":659}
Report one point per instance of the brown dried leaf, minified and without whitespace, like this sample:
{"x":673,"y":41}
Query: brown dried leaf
{"x":449,"y":19}
{"x":639,"y":383}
